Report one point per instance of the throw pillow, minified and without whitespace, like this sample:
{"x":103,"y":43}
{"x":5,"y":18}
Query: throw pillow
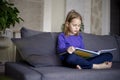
{"x":42,"y":60}
{"x":40,"y":45}
{"x":28,"y":32}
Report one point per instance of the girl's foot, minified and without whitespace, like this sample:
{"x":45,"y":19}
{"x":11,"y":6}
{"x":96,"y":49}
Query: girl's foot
{"x":78,"y":67}
{"x":102,"y":65}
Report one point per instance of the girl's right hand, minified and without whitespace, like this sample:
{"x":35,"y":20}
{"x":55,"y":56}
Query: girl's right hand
{"x":71,"y":49}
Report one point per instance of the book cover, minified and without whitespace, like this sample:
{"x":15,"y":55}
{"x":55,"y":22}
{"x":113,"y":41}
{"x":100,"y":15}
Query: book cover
{"x":88,"y":53}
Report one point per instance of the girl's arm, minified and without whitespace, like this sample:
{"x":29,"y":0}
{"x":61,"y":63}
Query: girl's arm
{"x":61,"y":47}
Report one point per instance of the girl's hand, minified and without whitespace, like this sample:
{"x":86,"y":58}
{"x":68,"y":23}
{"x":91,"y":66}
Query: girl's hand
{"x":71,"y":49}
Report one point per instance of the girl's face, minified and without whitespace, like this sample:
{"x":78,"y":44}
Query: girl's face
{"x":74,"y":26}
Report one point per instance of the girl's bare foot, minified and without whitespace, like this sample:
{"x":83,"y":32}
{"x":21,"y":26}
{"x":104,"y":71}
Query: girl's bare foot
{"x":78,"y":67}
{"x":102,"y":65}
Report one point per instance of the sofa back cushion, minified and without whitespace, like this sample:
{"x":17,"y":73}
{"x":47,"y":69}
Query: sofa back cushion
{"x":44,"y":43}
{"x":98,"y":42}
{"x":38,"y":50}
{"x":25,"y":32}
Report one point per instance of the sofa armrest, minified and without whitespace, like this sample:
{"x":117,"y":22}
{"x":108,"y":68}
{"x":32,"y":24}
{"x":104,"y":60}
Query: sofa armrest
{"x":19,"y":71}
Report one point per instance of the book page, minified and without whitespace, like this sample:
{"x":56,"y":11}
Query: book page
{"x":89,"y":51}
{"x":106,"y":50}
{"x":98,"y":52}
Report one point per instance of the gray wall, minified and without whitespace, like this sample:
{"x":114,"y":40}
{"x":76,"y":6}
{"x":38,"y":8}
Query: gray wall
{"x":49,"y":15}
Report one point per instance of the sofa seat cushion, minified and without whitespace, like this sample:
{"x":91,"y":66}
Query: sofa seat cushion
{"x":98,"y":42}
{"x":20,"y":71}
{"x":63,"y":73}
{"x":35,"y":48}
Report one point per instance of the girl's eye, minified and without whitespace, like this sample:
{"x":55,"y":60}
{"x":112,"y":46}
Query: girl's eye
{"x":76,"y":25}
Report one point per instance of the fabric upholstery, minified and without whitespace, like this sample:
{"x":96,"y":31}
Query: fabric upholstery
{"x":40,"y":45}
{"x":21,"y":71}
{"x":25,"y":32}
{"x":98,"y":42}
{"x":63,"y":73}
{"x":18,"y":71}
{"x":118,"y":40}
{"x":42,"y":60}
{"x":39,"y":50}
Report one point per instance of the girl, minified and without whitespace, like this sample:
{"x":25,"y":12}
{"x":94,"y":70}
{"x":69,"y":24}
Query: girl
{"x":71,"y":38}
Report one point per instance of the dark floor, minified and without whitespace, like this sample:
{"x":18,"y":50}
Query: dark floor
{"x":2,"y":75}
{"x":2,"y":69}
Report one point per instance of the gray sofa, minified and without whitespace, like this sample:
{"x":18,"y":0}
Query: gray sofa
{"x":36,"y":58}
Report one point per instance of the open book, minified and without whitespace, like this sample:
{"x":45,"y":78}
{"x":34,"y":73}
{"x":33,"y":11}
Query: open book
{"x":88,"y":53}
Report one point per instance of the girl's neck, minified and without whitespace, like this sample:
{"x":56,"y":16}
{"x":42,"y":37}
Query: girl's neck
{"x":71,"y":33}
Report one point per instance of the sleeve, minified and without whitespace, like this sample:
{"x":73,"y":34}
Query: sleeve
{"x":61,"y":47}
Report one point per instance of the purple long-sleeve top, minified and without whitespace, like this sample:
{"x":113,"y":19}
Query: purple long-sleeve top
{"x":66,"y":41}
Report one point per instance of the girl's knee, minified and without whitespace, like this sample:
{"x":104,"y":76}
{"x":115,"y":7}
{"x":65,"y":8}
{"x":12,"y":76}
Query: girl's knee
{"x":109,"y":55}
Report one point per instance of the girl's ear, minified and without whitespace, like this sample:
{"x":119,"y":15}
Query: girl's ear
{"x":67,"y":24}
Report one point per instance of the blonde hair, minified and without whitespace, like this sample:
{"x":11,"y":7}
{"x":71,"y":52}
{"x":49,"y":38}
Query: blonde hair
{"x":71,"y":15}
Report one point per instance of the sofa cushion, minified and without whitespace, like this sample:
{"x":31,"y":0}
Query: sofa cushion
{"x":118,"y":40}
{"x":64,"y":73}
{"x":40,"y":45}
{"x":25,"y":32}
{"x":20,"y":71}
{"x":98,"y":42}
{"x":42,"y":60}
